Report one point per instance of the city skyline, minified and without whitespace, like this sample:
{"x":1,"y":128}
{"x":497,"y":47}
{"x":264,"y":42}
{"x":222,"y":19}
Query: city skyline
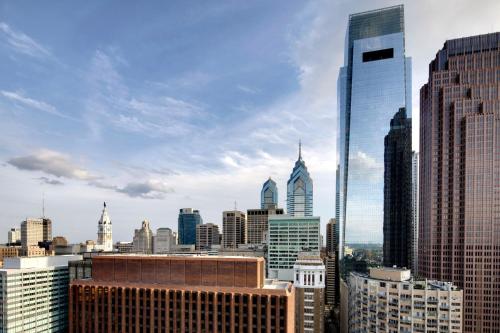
{"x":107,"y":100}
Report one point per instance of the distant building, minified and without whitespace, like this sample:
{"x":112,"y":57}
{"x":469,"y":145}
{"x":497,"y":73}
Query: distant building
{"x":269,"y":195}
{"x":47,"y":229}
{"x":332,"y":280}
{"x":124,"y":247}
{"x":32,"y":232}
{"x":143,"y":239}
{"x":398,"y":210}
{"x":163,"y":240}
{"x":180,"y":294}
{"x":390,"y":301}
{"x":331,"y":237}
{"x":414,"y":194}
{"x":309,"y":283}
{"x":34,"y":294}
{"x":104,"y":232}
{"x":207,"y":235}
{"x":257,"y":222}
{"x":187,"y":222}
{"x":300,"y":189}
{"x":59,"y":241}
{"x":234,"y":229}
{"x":14,"y":235}
{"x":288,"y":236}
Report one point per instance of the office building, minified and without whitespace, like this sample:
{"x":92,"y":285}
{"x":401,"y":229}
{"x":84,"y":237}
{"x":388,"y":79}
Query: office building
{"x":373,"y":84}
{"x":332,"y":281}
{"x":104,"y":232}
{"x":269,"y":195}
{"x":34,"y":294}
{"x":187,"y":222}
{"x":31,"y":232}
{"x":300,"y":189}
{"x":331,"y":237}
{"x":124,"y":247}
{"x":459,"y":228}
{"x":14,"y":236}
{"x":207,"y":235}
{"x":234,"y":229}
{"x":398,"y":210}
{"x":180,"y":294}
{"x":388,"y":300}
{"x":414,"y":194}
{"x":163,"y":241}
{"x":257,"y":221}
{"x":309,"y":283}
{"x":288,"y":236}
{"x":143,"y":239}
{"x":47,"y":229}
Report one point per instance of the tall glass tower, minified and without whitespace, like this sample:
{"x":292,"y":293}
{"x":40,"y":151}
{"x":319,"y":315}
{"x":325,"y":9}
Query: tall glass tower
{"x":373,"y":84}
{"x":300,"y":189}
{"x":269,"y":195}
{"x":187,"y":222}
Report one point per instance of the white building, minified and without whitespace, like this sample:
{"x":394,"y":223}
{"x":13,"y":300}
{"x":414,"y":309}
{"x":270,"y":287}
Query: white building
{"x":388,"y":300}
{"x":309,"y":282}
{"x":34,"y":294}
{"x":104,"y":232}
{"x":288,"y":236}
{"x":143,"y":239}
{"x":163,"y":241}
{"x":14,"y":235}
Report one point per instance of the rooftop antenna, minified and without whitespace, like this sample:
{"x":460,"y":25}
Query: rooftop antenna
{"x":300,"y":149}
{"x":235,"y":206}
{"x":43,"y":204}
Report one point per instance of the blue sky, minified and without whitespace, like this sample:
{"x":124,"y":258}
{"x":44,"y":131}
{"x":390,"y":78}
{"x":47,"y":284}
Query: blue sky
{"x":162,"y":105}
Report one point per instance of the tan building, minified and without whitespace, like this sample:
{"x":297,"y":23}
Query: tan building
{"x":132,"y":293}
{"x":234,"y":228}
{"x":143,"y":239}
{"x":14,"y":235}
{"x":207,"y":235}
{"x":257,"y":221}
{"x":31,"y":232}
{"x":309,"y":282}
{"x":459,"y":232}
{"x":388,"y":300}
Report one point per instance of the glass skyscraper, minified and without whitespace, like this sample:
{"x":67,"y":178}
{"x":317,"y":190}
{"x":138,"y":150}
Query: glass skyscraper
{"x":373,"y":84}
{"x":269,"y":195}
{"x":187,"y":222}
{"x":300,"y":189}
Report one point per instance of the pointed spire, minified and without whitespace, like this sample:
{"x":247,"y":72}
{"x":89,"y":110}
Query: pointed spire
{"x":104,"y":204}
{"x":300,"y":149}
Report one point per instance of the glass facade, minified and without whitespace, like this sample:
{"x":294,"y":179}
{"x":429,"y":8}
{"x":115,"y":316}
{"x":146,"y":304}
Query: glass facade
{"x":300,"y":190}
{"x":187,"y":222}
{"x":373,"y":85}
{"x":269,"y":195}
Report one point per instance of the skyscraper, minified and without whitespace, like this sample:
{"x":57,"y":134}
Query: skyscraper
{"x":234,"y":229}
{"x":257,"y":223}
{"x":374,"y":82}
{"x":163,"y":241}
{"x":300,"y":189}
{"x":207,"y":234}
{"x":14,"y":235}
{"x":104,"y":232}
{"x":459,"y":195}
{"x":32,"y":232}
{"x":269,"y":195}
{"x":398,"y":210}
{"x":186,"y":226}
{"x":332,"y":265}
{"x":143,"y":238}
{"x":414,"y":194}
{"x":331,"y":239}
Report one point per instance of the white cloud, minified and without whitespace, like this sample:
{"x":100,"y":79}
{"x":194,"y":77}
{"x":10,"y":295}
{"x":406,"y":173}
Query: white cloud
{"x":52,"y":163}
{"x":19,"y":98}
{"x":21,"y":42}
{"x":365,"y":167}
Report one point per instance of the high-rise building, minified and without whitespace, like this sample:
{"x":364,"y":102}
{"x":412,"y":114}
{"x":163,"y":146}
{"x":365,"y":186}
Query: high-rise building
{"x":373,"y":84}
{"x":32,"y":232}
{"x":104,"y":232}
{"x":269,"y":195}
{"x":398,"y":210}
{"x":288,"y":236}
{"x":309,"y":282}
{"x":332,"y":265}
{"x":14,"y":235}
{"x":47,"y":229}
{"x":143,"y":239}
{"x":34,"y":294}
{"x":163,"y":241}
{"x":388,"y":300}
{"x":257,"y":221}
{"x":331,"y":237}
{"x":187,"y":222}
{"x":234,"y":229}
{"x":300,"y":189}
{"x":180,"y":294}
{"x":207,"y":235}
{"x":459,"y":195}
{"x":414,"y":200}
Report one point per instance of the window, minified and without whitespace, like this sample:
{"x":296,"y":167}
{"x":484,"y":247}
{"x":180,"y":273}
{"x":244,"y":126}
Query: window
{"x":378,"y":55}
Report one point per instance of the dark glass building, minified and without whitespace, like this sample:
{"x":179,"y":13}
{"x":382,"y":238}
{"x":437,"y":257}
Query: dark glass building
{"x":187,"y":222}
{"x":398,"y":210}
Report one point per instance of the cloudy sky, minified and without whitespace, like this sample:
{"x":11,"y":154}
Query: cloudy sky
{"x":156,"y":106}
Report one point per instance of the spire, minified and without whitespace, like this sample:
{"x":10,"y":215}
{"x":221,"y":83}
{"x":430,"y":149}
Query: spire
{"x":104,"y":204}
{"x":300,"y":150}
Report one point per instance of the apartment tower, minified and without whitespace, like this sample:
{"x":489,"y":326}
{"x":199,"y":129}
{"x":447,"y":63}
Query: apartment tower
{"x":234,"y":228}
